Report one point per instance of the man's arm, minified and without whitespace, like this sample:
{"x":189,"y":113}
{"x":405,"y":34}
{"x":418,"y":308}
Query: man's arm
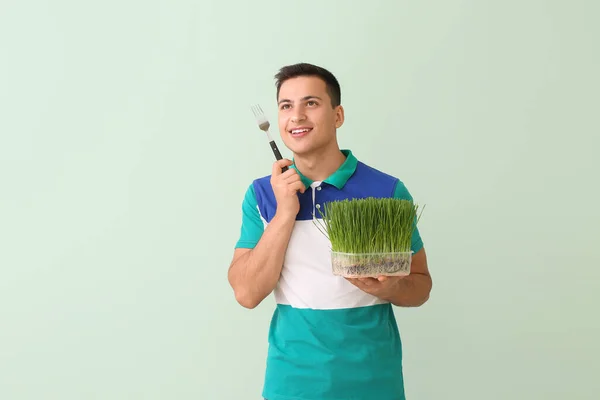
{"x":414,"y":289}
{"x":258,"y":259}
{"x":254,"y":273}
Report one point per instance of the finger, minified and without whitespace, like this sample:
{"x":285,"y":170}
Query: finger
{"x":288,"y":173}
{"x":298,"y":186}
{"x":294,"y":177}
{"x":281,"y":178}
{"x":390,"y":279}
{"x":278,"y":165}
{"x":368,"y":281}
{"x":359,"y":283}
{"x":355,"y":282}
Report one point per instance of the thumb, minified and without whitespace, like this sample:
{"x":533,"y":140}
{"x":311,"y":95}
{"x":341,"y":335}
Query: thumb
{"x":278,"y":165}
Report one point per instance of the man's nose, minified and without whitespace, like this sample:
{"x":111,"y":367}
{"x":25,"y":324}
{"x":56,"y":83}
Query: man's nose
{"x":298,"y":116}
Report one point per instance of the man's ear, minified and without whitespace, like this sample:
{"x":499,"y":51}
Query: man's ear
{"x":339,"y":116}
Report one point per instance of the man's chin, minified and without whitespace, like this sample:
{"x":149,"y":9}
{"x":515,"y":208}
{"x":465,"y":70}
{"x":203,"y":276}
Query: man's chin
{"x":301,"y":150}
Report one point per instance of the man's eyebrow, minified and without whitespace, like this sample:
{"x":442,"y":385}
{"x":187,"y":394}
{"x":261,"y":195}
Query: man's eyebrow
{"x":311,"y":97}
{"x":303,"y":99}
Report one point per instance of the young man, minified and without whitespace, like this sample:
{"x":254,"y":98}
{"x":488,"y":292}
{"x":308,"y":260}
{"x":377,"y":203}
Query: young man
{"x":330,"y":338}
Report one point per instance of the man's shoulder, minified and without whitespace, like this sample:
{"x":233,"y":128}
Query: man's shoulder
{"x":262,"y":189}
{"x":261,"y":180}
{"x":378,"y":177}
{"x":361,"y":165}
{"x":261,"y":183}
{"x":258,"y":189}
{"x":370,"y":173}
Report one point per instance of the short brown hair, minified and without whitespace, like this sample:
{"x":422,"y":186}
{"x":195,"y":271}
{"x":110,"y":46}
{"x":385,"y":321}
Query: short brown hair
{"x":305,"y":69}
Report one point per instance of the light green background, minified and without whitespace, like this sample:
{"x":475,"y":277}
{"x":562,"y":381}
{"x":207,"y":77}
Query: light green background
{"x":127,"y":143}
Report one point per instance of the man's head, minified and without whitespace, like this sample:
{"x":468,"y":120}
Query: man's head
{"x":309,"y":100}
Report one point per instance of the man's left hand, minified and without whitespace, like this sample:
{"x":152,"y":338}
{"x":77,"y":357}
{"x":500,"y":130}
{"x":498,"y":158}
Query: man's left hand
{"x":384,"y":287}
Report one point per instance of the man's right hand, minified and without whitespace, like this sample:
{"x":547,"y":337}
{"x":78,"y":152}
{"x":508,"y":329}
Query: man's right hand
{"x":285,"y":186}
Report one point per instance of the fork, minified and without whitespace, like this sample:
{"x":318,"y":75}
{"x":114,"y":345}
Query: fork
{"x":264,"y":125}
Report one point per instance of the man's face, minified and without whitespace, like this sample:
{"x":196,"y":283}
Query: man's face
{"x":307,"y":121}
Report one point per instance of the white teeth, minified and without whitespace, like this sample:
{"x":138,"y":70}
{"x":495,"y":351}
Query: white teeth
{"x":296,"y":131}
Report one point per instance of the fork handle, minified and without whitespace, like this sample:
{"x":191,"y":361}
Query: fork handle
{"x":277,"y":153}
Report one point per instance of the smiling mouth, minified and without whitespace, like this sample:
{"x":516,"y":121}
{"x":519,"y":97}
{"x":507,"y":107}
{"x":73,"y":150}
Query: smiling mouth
{"x":300,"y":131}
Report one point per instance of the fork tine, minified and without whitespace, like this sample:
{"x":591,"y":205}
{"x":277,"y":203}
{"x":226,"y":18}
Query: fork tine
{"x":258,"y":112}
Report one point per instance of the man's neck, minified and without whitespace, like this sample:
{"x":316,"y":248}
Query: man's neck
{"x":319,"y":166}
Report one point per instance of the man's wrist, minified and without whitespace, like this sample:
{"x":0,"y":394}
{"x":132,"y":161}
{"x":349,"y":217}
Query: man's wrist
{"x":393,"y":291}
{"x":284,"y":217}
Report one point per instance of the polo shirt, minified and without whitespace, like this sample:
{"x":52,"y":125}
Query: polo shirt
{"x":328,"y":340}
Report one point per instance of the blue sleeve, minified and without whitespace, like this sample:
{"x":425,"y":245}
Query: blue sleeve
{"x":252,"y":223}
{"x":401,"y":192}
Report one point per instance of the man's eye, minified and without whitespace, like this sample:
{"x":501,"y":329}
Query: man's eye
{"x":312,"y":103}
{"x":284,"y":106}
